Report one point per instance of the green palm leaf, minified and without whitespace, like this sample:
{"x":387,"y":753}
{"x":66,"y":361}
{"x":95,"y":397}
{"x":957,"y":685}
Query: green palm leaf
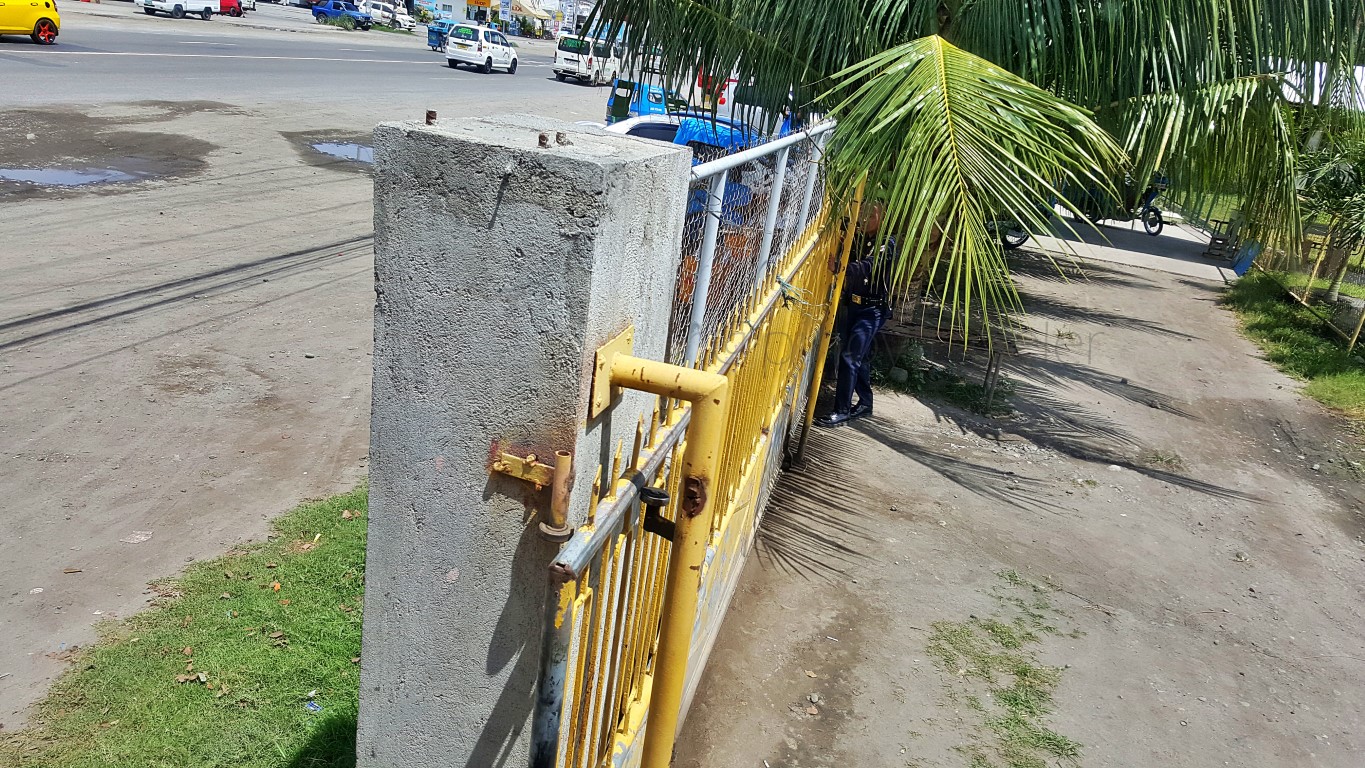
{"x":1197,"y":87}
{"x":953,"y":142}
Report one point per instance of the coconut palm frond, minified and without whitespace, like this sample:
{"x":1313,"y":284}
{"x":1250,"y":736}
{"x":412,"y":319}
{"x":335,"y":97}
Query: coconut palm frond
{"x":951,"y":143}
{"x":1224,"y":136}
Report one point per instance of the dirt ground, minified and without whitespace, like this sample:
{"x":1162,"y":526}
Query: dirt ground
{"x":183,"y":358}
{"x":1180,"y":528}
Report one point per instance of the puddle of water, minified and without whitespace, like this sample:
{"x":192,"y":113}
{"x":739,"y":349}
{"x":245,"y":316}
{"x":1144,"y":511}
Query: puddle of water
{"x":66,"y":177}
{"x":346,"y":150}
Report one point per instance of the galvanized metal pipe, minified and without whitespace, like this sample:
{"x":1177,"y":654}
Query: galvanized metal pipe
{"x":554,"y":667}
{"x":556,"y":526}
{"x":728,"y":162}
{"x":583,"y":547}
{"x":705,"y":259}
{"x":816,"y":151}
{"x":770,"y":223}
{"x":709,"y":394}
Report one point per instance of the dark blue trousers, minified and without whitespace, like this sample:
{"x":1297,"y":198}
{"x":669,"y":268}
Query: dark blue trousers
{"x":855,"y":358}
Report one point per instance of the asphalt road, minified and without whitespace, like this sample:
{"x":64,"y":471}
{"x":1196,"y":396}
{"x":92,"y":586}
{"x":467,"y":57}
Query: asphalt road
{"x":99,"y":59}
{"x":185,"y":356}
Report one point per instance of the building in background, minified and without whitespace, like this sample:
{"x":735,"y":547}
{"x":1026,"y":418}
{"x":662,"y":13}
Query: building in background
{"x":529,"y":11}
{"x":445,"y":9}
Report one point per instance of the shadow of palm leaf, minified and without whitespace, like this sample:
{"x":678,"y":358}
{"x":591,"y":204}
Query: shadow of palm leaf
{"x":331,"y":745}
{"x":1067,"y":269}
{"x":1052,"y":308}
{"x":816,"y":517}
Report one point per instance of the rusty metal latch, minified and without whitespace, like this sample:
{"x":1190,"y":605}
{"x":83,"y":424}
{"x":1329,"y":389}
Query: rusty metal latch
{"x":559,"y":477}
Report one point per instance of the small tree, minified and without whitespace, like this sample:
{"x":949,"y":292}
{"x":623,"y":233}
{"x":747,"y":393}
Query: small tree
{"x":1331,"y":185}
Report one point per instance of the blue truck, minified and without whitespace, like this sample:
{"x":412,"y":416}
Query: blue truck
{"x":343,"y":13}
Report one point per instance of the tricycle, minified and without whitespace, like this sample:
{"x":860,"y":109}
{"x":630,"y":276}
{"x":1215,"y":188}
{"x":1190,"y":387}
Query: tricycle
{"x":437,"y":32}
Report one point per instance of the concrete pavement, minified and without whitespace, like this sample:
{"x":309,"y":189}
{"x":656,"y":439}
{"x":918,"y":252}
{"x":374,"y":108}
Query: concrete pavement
{"x":102,"y":60}
{"x":185,"y":356}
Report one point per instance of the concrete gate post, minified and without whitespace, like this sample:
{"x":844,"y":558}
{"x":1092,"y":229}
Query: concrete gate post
{"x":506,"y":251}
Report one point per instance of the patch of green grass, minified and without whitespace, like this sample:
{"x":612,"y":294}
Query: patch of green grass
{"x":220,"y":671}
{"x":1162,"y":459}
{"x":1013,"y":578}
{"x":1296,"y":341}
{"x":390,"y":30}
{"x":1025,"y":741}
{"x":340,"y":22}
{"x":1299,"y":281}
{"x":997,"y":655}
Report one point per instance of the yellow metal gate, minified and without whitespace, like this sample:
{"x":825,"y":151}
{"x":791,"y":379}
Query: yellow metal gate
{"x":637,"y":595}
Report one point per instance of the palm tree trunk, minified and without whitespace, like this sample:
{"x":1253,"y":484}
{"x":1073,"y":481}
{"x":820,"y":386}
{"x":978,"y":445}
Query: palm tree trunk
{"x":1338,"y":261}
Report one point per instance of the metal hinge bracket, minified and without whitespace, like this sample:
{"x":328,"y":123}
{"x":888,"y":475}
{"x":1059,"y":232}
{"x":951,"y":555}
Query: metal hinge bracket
{"x":525,"y":468}
{"x":603,"y":393}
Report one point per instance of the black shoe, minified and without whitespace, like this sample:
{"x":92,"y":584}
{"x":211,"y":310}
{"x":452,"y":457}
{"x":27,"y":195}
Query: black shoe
{"x":835,"y":419}
{"x":860,"y":410}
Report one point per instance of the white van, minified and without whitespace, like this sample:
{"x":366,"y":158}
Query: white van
{"x":481,"y":47}
{"x":590,"y":61}
{"x":179,"y":8}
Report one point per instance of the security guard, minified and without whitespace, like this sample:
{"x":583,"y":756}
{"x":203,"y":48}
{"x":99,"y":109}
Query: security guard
{"x":866,"y":301}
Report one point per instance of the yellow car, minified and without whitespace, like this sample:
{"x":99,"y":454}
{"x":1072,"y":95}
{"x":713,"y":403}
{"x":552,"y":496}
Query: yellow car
{"x":36,"y":18}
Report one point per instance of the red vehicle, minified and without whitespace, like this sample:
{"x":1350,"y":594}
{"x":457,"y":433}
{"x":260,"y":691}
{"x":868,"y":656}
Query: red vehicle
{"x":230,"y":7}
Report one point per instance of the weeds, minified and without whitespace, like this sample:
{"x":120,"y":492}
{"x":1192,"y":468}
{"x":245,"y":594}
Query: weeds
{"x":1162,"y":460}
{"x":1014,"y":579}
{"x":994,"y":669}
{"x":250,"y":660}
{"x":926,"y":380}
{"x":340,"y":22}
{"x":1296,"y":342}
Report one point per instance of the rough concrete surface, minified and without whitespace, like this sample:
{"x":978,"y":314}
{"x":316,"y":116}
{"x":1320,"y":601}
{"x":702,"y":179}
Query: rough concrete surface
{"x":1198,"y":521}
{"x":507,"y":250}
{"x":185,"y":357}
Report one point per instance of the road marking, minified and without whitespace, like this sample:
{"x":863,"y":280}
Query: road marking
{"x":205,"y":42}
{"x":47,"y":53}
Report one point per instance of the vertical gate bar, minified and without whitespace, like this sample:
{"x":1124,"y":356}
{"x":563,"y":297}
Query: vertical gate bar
{"x":554,"y":663}
{"x":621,"y":635}
{"x":595,"y":653}
{"x":815,"y":149}
{"x":715,"y":195}
{"x":770,"y":223}
{"x":827,"y":326}
{"x":599,"y":735}
{"x":584,"y":605}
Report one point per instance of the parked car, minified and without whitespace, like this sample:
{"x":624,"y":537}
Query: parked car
{"x":479,"y":47}
{"x":709,"y":138}
{"x":232,"y":8}
{"x":39,"y":20}
{"x":590,"y":61}
{"x":342,"y":12}
{"x":177,"y":9}
{"x":388,"y":14}
{"x":248,"y":5}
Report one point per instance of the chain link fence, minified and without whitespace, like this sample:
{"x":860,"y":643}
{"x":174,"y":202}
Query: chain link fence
{"x":741,"y":216}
